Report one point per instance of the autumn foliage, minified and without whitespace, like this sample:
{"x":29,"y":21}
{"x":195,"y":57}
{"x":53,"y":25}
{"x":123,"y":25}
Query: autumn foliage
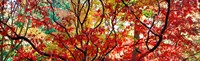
{"x":99,"y":30}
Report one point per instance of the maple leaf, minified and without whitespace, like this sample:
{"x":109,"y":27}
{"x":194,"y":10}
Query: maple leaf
{"x":97,"y":30}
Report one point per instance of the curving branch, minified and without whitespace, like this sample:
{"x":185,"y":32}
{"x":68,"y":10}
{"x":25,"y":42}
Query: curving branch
{"x":103,"y":8}
{"x":97,"y":50}
{"x":138,"y":18}
{"x":34,"y":47}
{"x":87,"y":12}
{"x":152,"y":24}
{"x":83,"y":5}
{"x":115,"y":35}
{"x":148,"y":33}
{"x":15,"y":47}
{"x":158,"y":13}
{"x":161,"y":34}
{"x":56,"y":21}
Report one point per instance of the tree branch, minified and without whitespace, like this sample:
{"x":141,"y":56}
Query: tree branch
{"x":138,"y":18}
{"x":161,"y":34}
{"x":101,"y":15}
{"x":33,"y":46}
{"x":57,"y":22}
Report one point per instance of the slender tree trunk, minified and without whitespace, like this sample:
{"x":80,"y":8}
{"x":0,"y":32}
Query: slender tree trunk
{"x":136,"y":37}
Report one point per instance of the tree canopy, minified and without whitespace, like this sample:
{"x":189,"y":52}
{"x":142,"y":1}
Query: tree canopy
{"x":99,"y":30}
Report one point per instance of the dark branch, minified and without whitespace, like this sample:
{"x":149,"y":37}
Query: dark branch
{"x":138,"y":18}
{"x":34,"y":47}
{"x":161,"y":34}
{"x":101,"y":15}
{"x":86,"y":15}
{"x":57,"y":22}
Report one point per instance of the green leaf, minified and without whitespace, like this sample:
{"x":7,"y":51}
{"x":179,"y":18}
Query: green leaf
{"x":48,"y":31}
{"x":29,"y":22}
{"x":0,"y":17}
{"x":67,"y":5}
{"x":43,"y":4}
{"x":128,"y":2}
{"x":19,"y":24}
{"x":40,"y":16}
{"x":42,"y":28}
{"x":61,"y":4}
{"x":53,"y":2}
{"x":4,"y":53}
{"x":133,"y":1}
{"x":51,"y":16}
{"x":1,"y":36}
{"x":17,"y":47}
{"x":147,"y":13}
{"x":39,"y":58}
{"x":9,"y":59}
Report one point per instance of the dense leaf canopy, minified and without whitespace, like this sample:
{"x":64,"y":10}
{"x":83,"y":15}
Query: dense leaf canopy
{"x":94,"y":30}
